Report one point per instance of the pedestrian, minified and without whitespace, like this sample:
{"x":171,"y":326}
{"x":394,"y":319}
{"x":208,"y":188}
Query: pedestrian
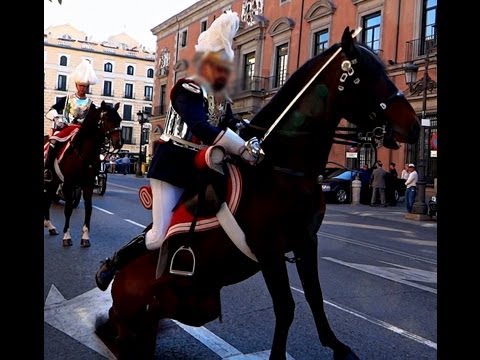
{"x":404,"y":174}
{"x":391,"y":178}
{"x":377,"y":182}
{"x":411,"y":184}
{"x":125,"y":164}
{"x":195,"y":117}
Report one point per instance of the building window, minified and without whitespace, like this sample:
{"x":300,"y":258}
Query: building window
{"x":184,"y":38}
{"x":163,"y":99}
{"x":371,"y":30}
{"x":149,"y":73}
{"x":320,"y":42}
{"x":62,"y":82}
{"x":63,"y":60}
{"x":129,"y":91}
{"x":147,"y":110}
{"x":248,"y":70}
{"x":127,"y":134}
{"x":107,"y":88}
{"x":281,"y":65}
{"x":127,"y":112}
{"x":148,"y":93}
{"x":203,"y":26}
{"x":129,"y":70}
{"x":429,"y":23}
{"x":108,"y":67}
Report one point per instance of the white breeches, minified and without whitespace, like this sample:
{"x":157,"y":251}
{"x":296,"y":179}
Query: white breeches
{"x":165,"y":197}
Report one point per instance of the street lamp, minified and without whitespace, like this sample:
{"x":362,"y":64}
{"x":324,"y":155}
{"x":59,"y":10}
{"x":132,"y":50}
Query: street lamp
{"x":143,"y":117}
{"x":420,"y":87}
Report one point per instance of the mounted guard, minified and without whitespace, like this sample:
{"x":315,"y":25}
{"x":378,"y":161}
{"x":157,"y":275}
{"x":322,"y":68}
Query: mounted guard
{"x":200,"y":114}
{"x":68,"y":113}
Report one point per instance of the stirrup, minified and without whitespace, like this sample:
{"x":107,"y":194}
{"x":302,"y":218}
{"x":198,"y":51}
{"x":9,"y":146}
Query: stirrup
{"x":47,"y":175}
{"x":179,"y":271}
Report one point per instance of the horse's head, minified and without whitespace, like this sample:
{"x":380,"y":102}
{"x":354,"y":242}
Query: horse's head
{"x":369,"y":99}
{"x":110,"y":124}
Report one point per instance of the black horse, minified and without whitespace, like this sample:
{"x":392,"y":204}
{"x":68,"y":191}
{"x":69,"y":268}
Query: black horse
{"x":80,"y":164}
{"x":280,"y":210}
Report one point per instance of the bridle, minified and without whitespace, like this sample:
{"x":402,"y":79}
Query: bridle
{"x":107,"y":133}
{"x":379,"y":108}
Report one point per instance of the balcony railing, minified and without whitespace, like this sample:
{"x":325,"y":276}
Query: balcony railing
{"x":416,"y":48}
{"x":258,"y":84}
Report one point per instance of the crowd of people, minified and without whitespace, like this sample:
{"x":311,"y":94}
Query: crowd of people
{"x":383,"y":183}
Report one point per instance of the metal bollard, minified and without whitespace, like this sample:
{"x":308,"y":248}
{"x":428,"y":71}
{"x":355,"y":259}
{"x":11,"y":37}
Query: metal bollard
{"x":356,"y":186}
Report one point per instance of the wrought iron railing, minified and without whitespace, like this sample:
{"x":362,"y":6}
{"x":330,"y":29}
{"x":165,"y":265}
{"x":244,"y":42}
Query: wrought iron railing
{"x":417,"y":48}
{"x":258,"y":84}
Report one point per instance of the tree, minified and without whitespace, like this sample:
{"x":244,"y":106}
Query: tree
{"x":59,"y":1}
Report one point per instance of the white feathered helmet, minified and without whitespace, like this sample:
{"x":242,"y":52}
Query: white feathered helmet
{"x":215,"y":44}
{"x":84,"y":74}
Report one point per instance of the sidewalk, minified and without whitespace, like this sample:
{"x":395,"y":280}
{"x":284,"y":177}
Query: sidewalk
{"x":390,"y":213}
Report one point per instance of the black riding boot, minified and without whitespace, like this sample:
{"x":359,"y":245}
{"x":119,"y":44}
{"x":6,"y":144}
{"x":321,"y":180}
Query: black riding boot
{"x":135,"y":248}
{"x":51,"y":155}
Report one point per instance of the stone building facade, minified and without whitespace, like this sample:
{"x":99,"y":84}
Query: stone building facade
{"x":277,"y":36}
{"x":124,"y":69}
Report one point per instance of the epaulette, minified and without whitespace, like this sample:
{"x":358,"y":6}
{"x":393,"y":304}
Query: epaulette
{"x":187,"y":84}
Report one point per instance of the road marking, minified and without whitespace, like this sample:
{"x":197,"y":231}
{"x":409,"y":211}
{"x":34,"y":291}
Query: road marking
{"x":124,"y":187}
{"x":134,"y":223}
{"x":127,"y":220}
{"x":105,"y":211}
{"x":379,"y":248}
{"x":380,"y":323}
{"x":402,"y":275}
{"x":76,"y":318}
{"x":364,"y":226}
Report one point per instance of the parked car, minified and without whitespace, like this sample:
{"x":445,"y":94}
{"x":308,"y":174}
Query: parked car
{"x":338,"y":185}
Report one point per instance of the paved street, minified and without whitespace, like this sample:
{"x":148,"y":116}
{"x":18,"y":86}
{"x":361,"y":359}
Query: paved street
{"x":378,"y":272}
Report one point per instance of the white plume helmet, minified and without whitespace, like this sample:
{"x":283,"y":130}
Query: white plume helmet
{"x":219,"y":36}
{"x":84,"y":74}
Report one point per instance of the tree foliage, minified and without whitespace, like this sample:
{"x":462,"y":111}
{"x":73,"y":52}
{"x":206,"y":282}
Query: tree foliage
{"x":59,"y":1}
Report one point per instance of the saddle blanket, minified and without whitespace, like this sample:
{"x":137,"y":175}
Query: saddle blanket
{"x":182,"y":218}
{"x":66,"y":134}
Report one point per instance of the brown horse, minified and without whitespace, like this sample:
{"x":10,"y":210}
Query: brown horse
{"x":280,"y":210}
{"x":79,"y":166}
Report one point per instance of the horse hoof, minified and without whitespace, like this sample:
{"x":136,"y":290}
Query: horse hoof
{"x":67,"y":242}
{"x":53,"y":232}
{"x":84,"y":243}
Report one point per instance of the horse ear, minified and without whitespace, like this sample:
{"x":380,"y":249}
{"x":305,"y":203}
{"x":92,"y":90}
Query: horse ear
{"x":103,"y":104}
{"x":117,"y":106}
{"x":348,"y":41}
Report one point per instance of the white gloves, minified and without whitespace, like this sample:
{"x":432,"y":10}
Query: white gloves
{"x":250,"y":151}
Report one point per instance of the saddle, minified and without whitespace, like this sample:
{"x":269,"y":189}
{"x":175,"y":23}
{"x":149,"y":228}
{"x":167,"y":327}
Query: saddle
{"x":63,"y":136}
{"x":210,"y":203}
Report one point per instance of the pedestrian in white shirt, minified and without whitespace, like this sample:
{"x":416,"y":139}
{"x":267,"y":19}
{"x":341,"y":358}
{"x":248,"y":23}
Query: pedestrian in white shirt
{"x":411,"y":184}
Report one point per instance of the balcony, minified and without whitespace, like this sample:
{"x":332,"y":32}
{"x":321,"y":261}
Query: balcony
{"x":415,"y":49}
{"x":257,"y":84}
{"x":108,"y":93}
{"x":128,"y":95}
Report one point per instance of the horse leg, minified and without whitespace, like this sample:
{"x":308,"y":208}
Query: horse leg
{"x":48,"y":193}
{"x":87,"y":203}
{"x":306,"y":263}
{"x":67,"y":191}
{"x":276,"y":277}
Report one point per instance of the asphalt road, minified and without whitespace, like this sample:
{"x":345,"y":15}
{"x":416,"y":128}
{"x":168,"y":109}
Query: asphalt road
{"x":377,"y":270}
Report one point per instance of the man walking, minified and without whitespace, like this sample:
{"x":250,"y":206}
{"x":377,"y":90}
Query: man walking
{"x":377,"y":182}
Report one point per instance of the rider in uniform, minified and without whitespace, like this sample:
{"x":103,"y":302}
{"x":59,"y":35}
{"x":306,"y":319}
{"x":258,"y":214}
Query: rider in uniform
{"x":199,"y":114}
{"x":70,"y":109}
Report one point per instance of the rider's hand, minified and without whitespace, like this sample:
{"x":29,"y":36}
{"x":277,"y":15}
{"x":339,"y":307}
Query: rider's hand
{"x":253,"y":152}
